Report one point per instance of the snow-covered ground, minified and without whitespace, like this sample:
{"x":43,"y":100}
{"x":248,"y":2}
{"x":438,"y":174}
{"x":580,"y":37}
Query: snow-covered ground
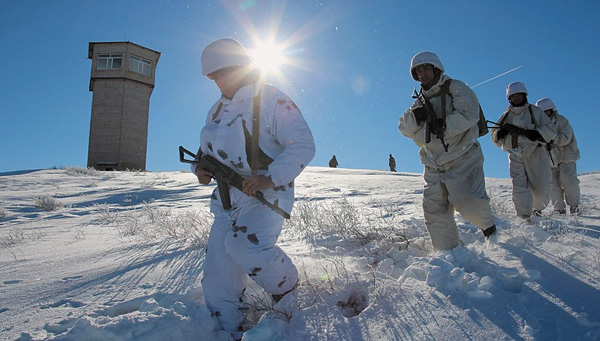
{"x":118,"y":256}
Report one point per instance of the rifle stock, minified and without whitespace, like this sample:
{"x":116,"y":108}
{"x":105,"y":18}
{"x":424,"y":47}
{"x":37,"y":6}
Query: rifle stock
{"x":226,"y":177}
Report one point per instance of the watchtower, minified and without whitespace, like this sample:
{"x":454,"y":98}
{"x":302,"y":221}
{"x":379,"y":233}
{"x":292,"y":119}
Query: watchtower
{"x":122,"y":80}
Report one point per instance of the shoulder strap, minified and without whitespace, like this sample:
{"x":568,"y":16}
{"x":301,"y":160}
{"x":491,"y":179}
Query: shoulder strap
{"x":532,"y":117}
{"x":445,"y":89}
{"x":481,"y":124}
{"x":255,"y":131}
{"x":504,"y":117}
{"x":214,"y":116}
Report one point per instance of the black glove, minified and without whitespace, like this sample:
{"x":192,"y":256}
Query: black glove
{"x":438,"y":126}
{"x":534,"y":135}
{"x":420,"y":114}
{"x":501,"y":134}
{"x":505,"y":129}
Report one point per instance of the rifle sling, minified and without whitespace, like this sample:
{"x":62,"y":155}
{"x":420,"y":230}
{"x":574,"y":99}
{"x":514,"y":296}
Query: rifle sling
{"x":443,"y":91}
{"x":216,"y":114}
{"x":255,"y":132}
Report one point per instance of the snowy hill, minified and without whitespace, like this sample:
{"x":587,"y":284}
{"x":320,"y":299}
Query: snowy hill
{"x":118,"y":256}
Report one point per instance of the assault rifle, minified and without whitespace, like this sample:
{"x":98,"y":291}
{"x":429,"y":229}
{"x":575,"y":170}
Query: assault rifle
{"x":226,"y":178}
{"x":511,"y":128}
{"x":431,"y":119}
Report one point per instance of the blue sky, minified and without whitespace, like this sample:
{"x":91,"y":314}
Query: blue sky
{"x":352,"y":85}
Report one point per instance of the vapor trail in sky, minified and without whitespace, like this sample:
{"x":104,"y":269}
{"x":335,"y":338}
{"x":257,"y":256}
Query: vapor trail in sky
{"x":500,"y":75}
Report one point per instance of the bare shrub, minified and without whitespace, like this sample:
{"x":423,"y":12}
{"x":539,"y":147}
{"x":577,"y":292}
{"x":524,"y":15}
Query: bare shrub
{"x":193,"y":226}
{"x":130,"y":227}
{"x":341,"y":220}
{"x":389,"y":221}
{"x":47,"y":203}
{"x":501,"y":205}
{"x":329,"y":282}
{"x":348,"y":221}
{"x":315,"y":220}
{"x":154,"y":222}
{"x":589,"y":206}
{"x":78,"y":171}
{"x":332,"y":282}
{"x":106,"y":215}
{"x":14,"y":237}
{"x":254,"y":304}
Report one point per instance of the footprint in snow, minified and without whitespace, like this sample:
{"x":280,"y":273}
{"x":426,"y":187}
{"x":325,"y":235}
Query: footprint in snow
{"x":72,"y":278}
{"x":12,"y":281}
{"x":355,"y":303}
{"x":64,"y":303}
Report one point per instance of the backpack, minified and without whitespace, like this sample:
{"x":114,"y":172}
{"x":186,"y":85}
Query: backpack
{"x":481,"y":124}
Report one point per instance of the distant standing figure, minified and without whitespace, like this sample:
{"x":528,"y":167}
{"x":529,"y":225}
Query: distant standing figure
{"x":565,"y":184}
{"x":449,"y":151}
{"x":333,"y":162}
{"x":523,"y":132}
{"x":392,"y":163}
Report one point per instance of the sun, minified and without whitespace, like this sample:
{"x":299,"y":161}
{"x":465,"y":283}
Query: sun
{"x":268,"y":57}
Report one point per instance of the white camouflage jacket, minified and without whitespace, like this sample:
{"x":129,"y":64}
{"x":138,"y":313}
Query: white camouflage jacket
{"x":522,"y":118}
{"x":565,"y":145}
{"x":461,"y":124}
{"x":285,"y":137}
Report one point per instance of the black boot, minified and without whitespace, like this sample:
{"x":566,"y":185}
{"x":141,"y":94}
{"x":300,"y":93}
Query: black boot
{"x":489,"y":231}
{"x":278,"y":298}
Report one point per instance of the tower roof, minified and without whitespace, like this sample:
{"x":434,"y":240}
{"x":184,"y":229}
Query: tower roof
{"x":91,"y":47}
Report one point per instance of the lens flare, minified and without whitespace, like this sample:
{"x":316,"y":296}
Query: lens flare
{"x":276,"y":57}
{"x":268,"y":57}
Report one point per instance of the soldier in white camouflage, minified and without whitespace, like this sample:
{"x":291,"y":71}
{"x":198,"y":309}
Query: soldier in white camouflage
{"x":452,"y":156}
{"x":242,"y":241}
{"x":523,"y":131}
{"x":565,"y":184}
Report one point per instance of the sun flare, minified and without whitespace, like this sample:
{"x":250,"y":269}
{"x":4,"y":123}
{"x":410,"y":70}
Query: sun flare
{"x":267,"y":57}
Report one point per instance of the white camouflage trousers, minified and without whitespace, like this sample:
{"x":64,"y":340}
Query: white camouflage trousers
{"x":565,"y":185}
{"x":241,"y":246}
{"x":531,"y":180}
{"x":460,"y":187}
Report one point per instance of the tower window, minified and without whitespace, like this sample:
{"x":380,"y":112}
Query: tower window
{"x":109,"y":61}
{"x":140,"y":65}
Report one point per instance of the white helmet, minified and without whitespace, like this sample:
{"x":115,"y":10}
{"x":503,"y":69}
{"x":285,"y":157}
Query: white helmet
{"x":223,"y":53}
{"x":515,"y":88}
{"x":424,"y":58}
{"x":545,"y":104}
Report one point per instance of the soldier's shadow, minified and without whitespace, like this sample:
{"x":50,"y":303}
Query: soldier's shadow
{"x":554,"y":303}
